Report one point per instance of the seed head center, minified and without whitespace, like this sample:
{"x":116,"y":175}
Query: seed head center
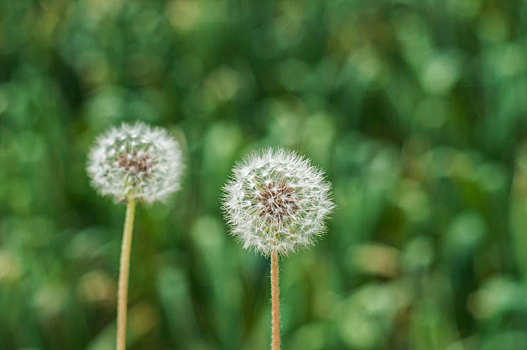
{"x":278,"y":201}
{"x":137,"y":163}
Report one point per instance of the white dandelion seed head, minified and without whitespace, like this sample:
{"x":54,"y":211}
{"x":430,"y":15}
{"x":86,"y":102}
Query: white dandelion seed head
{"x":136,"y":162}
{"x":276,"y":201}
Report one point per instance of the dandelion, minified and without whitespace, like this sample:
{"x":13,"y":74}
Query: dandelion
{"x":136,"y":162}
{"x":133,"y":163}
{"x":275,"y":203}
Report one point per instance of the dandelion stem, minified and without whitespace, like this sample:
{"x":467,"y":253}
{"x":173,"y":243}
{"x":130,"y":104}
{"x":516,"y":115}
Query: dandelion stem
{"x":122,"y":295}
{"x":275,"y":302}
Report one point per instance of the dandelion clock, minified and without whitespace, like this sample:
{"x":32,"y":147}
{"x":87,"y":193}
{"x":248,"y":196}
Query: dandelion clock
{"x":133,"y":164}
{"x":276,"y":203}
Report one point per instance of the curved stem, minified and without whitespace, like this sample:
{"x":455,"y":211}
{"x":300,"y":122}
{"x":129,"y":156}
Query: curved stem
{"x":275,"y":302}
{"x":122,"y":296}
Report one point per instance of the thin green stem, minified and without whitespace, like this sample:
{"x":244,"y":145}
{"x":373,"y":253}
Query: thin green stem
{"x":122,"y":296}
{"x":275,"y":301}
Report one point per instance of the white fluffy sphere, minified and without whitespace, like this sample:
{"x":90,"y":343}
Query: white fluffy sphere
{"x":276,"y":201}
{"x":136,"y":162}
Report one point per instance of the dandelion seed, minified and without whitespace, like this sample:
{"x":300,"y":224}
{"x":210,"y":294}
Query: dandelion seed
{"x":275,"y":203}
{"x":276,"y":200}
{"x":133,"y":163}
{"x":136,"y":161}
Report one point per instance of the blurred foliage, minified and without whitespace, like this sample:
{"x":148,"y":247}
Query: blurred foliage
{"x":416,"y":109}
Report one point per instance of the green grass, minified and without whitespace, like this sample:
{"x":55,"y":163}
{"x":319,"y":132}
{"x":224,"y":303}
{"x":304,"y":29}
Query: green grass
{"x":416,"y":110}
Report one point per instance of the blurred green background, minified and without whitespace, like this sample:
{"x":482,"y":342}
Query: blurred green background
{"x":417,"y":110}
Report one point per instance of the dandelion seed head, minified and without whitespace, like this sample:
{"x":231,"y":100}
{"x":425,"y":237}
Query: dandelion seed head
{"x":136,"y":161}
{"x":276,"y":201}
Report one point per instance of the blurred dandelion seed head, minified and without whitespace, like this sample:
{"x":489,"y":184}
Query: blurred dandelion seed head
{"x":276,"y":200}
{"x":136,"y":161}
